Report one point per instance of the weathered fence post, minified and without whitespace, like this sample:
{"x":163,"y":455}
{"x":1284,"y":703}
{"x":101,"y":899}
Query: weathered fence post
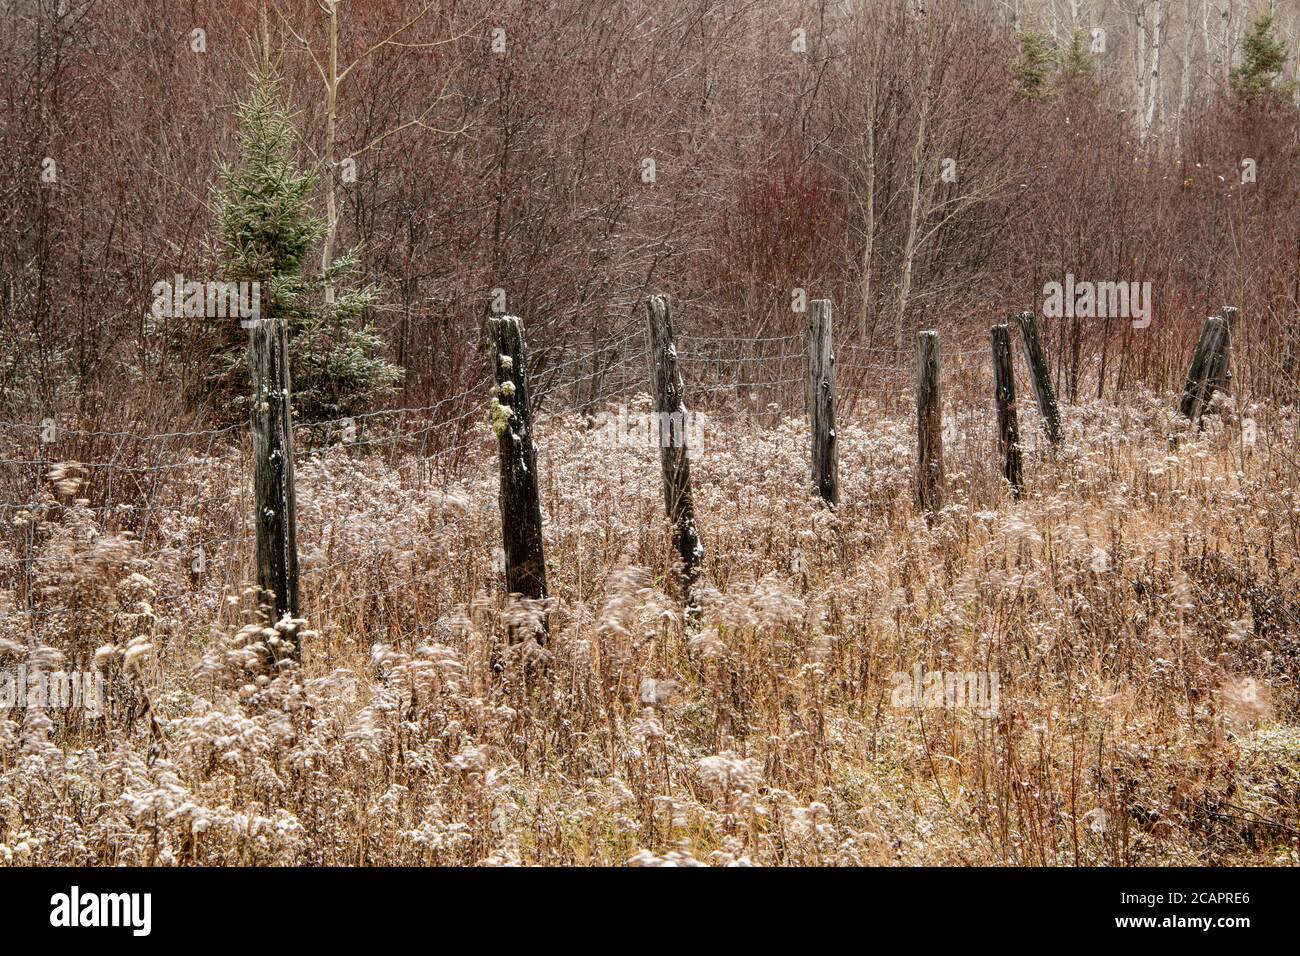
{"x":929,"y":426}
{"x":1221,"y":368}
{"x":272,"y":426}
{"x":1201,"y":377}
{"x":1041,"y":375}
{"x":670,"y":414}
{"x":1004,"y":393}
{"x":821,"y":401}
{"x":1196,"y":374}
{"x":521,"y":510}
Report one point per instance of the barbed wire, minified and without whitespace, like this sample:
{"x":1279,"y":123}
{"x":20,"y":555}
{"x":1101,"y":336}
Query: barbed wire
{"x":687,"y":338}
{"x":887,"y":369}
{"x":738,"y":360}
{"x":146,"y":471}
{"x":882,"y":350}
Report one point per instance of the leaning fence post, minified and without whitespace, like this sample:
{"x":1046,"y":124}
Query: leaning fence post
{"x":272,"y":428}
{"x":1220,"y":376}
{"x":929,"y":426}
{"x":821,"y":401}
{"x":1041,"y":375}
{"x":521,"y":510}
{"x":670,"y":414}
{"x":1004,"y":393}
{"x":1196,"y":374}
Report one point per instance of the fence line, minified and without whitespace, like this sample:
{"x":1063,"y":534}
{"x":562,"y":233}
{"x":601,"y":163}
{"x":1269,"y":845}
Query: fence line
{"x":144,"y":473}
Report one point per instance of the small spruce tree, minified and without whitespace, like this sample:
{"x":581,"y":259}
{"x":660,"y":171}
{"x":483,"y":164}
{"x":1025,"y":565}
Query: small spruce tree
{"x":1033,"y":68}
{"x":268,"y":234}
{"x":1078,"y":67}
{"x":1263,"y":57}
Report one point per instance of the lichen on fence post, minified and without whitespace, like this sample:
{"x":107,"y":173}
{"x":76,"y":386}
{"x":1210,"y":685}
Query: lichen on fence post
{"x":521,"y":511}
{"x":668,"y":390}
{"x":929,"y":426}
{"x":1004,"y":396}
{"x":273,"y":481}
{"x":821,"y":401}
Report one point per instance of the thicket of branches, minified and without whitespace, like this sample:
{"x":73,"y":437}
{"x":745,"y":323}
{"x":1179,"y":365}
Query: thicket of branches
{"x":465,"y":147}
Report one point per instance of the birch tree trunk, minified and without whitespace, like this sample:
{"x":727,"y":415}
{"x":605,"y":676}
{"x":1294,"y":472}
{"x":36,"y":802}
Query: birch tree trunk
{"x":331,"y":119}
{"x":914,"y":213}
{"x":1140,"y":59}
{"x":869,"y":212}
{"x":1225,"y":57}
{"x":1185,"y":82}
{"x":1153,"y":102}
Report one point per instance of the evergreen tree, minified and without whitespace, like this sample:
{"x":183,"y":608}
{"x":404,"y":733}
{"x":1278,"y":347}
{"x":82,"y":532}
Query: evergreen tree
{"x":1078,"y":67}
{"x":1263,"y":57}
{"x":268,"y":233}
{"x":1033,"y":68}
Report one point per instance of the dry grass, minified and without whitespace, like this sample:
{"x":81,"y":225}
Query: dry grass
{"x":1139,"y":608}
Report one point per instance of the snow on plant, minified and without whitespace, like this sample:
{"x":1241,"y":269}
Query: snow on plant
{"x":1137,"y":604}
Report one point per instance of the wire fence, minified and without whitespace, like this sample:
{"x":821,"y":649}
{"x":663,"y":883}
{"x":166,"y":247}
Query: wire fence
{"x":183,"y":496}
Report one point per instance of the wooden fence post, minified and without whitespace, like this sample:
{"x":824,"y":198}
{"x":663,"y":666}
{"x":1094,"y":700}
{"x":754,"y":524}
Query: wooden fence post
{"x":1197,"y":372}
{"x":929,"y":426}
{"x":1201,"y":378}
{"x":272,"y":426}
{"x":1004,"y":393}
{"x":1221,"y":368}
{"x":821,"y":401}
{"x":1041,"y":375}
{"x":670,"y":413}
{"x":521,"y":510}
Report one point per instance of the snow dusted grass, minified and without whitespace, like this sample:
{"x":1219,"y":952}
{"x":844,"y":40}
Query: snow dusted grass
{"x":1139,"y":608}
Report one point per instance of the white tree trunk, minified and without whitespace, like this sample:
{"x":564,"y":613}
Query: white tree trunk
{"x":914,"y":213}
{"x":1140,"y":58}
{"x":1157,"y":41}
{"x":331,"y":119}
{"x":869,"y":210}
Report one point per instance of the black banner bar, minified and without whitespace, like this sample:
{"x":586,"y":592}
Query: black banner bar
{"x":231,"y":906}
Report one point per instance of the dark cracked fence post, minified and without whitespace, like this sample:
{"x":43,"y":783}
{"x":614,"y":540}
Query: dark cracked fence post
{"x":1200,"y":385}
{"x":1221,"y":367}
{"x":929,"y":426}
{"x":1004,"y":393}
{"x":1198,"y":371}
{"x":521,"y":510}
{"x":1040,"y":375}
{"x":272,"y":427}
{"x":670,"y":413}
{"x":821,"y":401}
